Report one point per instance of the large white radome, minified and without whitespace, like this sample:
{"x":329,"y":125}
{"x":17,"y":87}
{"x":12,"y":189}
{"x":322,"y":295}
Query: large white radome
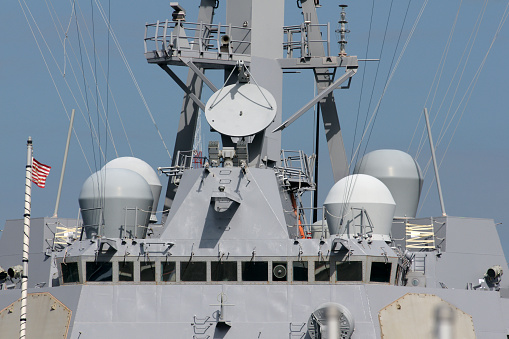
{"x":349,"y":196}
{"x":142,"y":168}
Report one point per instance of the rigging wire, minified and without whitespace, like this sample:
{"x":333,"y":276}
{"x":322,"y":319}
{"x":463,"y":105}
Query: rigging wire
{"x":119,"y":48}
{"x":471,"y":43}
{"x":438,"y":73}
{"x":74,"y":74}
{"x":98,"y":96}
{"x":362,"y":82}
{"x":86,"y":95}
{"x":442,"y":131}
{"x":410,"y":35}
{"x":388,"y":73}
{"x":51,"y":76}
{"x":350,"y":188}
{"x":389,"y":79}
{"x":474,"y":33}
{"x":351,"y":183}
{"x":96,"y":84}
{"x":472,"y":85}
{"x":109,"y":91}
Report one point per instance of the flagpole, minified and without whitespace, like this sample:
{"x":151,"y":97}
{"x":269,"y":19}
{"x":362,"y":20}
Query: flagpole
{"x":26,"y":238}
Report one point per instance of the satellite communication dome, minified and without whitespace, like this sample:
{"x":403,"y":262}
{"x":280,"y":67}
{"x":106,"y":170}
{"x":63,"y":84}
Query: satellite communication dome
{"x":400,"y":173}
{"x":142,"y":168}
{"x":240,"y":110}
{"x":360,"y":203}
{"x":116,"y":203}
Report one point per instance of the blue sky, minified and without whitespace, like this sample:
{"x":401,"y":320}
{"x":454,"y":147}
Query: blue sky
{"x":473,"y":172}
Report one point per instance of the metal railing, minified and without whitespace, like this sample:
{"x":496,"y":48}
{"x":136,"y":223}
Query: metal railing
{"x":297,"y":169}
{"x":184,"y":160}
{"x":129,"y":227}
{"x":296,"y":38}
{"x":177,"y":35}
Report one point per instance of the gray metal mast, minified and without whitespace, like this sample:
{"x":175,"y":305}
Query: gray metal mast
{"x":324,"y":79}
{"x":190,"y":110}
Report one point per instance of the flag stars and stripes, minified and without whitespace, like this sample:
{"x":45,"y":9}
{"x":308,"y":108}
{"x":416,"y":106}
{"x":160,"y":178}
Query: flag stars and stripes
{"x":39,"y":173}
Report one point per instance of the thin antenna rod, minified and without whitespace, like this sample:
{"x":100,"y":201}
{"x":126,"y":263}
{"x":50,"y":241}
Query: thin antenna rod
{"x":434,"y":162}
{"x":63,"y":164}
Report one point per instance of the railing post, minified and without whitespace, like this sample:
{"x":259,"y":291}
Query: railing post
{"x":145,"y":40}
{"x":125,"y":221}
{"x":157,"y":33}
{"x":200,"y":38}
{"x":165,"y":45}
{"x":136,"y":221}
{"x":218,"y":37}
{"x":328,"y":38}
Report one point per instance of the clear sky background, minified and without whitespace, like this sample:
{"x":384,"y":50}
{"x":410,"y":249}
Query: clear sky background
{"x":441,"y":70}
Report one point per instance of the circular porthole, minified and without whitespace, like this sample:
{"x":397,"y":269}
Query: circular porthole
{"x":331,"y":314}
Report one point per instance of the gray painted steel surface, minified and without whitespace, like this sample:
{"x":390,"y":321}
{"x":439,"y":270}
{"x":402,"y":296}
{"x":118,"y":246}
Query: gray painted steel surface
{"x":215,"y":267}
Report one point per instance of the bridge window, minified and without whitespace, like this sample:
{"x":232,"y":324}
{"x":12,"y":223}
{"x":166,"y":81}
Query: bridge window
{"x":99,"y":271}
{"x":349,"y":271}
{"x":70,"y":272}
{"x":322,"y":271}
{"x":193,"y":271}
{"x":255,"y":271}
{"x":168,"y":272}
{"x":223,"y":270}
{"x":380,"y":272}
{"x":300,"y":271}
{"x":125,"y":271}
{"x":147,"y":271}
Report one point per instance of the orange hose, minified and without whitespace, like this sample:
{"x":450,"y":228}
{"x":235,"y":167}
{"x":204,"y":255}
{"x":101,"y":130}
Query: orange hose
{"x":301,"y":229}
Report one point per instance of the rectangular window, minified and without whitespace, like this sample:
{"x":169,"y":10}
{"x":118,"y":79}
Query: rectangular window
{"x":380,"y":272}
{"x":223,"y":270}
{"x":193,"y":271}
{"x":349,"y":271}
{"x":125,"y":271}
{"x":279,"y":271}
{"x":322,"y":271}
{"x":70,"y":272}
{"x":168,"y":271}
{"x":99,"y":271}
{"x":300,"y":271}
{"x":255,"y":271}
{"x":147,"y":271}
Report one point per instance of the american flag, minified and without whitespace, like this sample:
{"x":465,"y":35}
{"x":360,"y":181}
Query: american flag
{"x":39,"y":173}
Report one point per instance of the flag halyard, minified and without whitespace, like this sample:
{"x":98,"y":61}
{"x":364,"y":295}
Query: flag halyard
{"x":39,"y":173}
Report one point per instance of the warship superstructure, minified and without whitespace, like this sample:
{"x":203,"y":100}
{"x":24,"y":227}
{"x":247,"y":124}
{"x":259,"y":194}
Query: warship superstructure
{"x":236,"y":254}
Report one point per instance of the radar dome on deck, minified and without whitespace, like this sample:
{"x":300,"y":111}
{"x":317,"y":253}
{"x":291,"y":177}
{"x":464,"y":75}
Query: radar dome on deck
{"x":400,"y":173}
{"x":142,"y":168}
{"x":360,"y":203}
{"x":116,"y":203}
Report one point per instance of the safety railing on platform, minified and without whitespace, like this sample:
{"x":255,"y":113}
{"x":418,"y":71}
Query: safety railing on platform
{"x":296,"y":38}
{"x":184,"y":160}
{"x":177,"y":35}
{"x":297,"y":170}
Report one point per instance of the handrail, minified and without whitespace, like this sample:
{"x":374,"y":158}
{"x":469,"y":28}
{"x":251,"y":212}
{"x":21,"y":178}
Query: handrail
{"x":207,"y":33}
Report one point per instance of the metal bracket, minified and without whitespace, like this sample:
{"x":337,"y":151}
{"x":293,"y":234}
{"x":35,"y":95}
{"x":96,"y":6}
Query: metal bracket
{"x":199,"y":73}
{"x":348,"y":75}
{"x":181,"y":84}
